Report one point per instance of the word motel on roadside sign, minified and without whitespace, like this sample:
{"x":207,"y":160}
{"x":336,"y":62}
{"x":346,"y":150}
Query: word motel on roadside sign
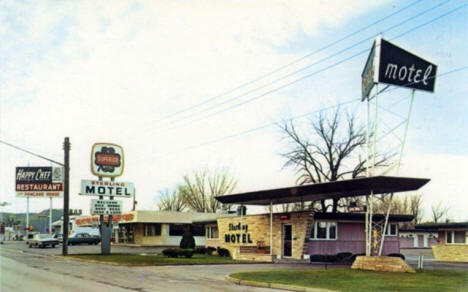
{"x":107,"y":188}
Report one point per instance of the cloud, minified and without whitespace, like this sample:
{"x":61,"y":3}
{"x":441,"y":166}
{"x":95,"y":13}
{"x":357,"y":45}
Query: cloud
{"x":96,"y":71}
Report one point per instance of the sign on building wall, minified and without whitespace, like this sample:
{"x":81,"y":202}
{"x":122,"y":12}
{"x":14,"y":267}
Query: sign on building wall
{"x":106,"y":207}
{"x":390,"y":64}
{"x":107,"y":188}
{"x":107,"y":160}
{"x":40,"y":182}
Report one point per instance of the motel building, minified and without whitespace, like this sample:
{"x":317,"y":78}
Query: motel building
{"x":452,"y":242}
{"x":298,"y":235}
{"x":153,"y":228}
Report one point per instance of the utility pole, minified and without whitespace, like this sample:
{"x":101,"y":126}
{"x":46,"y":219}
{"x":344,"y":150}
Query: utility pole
{"x":66,"y":194}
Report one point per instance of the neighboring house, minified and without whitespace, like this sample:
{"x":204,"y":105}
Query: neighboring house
{"x":453,"y":240}
{"x":413,"y":238}
{"x":297,"y":235}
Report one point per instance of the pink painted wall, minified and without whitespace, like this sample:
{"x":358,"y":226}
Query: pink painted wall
{"x":351,"y":238}
{"x":407,"y":242}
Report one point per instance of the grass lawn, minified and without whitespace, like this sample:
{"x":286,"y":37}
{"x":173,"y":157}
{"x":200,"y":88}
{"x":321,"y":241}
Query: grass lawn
{"x":156,"y":260}
{"x":352,"y":280}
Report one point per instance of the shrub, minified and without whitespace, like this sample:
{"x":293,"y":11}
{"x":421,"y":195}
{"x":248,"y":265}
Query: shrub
{"x":343,"y":256}
{"x":222,"y":252}
{"x":188,"y":253}
{"x":397,"y":255}
{"x":187,"y":241}
{"x":317,"y":258}
{"x":210,"y":250}
{"x":330,"y":258}
{"x":171,"y":252}
{"x":200,"y":250}
{"x":353,"y":257}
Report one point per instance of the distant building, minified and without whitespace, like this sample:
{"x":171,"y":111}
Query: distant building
{"x":418,"y":238}
{"x":453,"y":240}
{"x":154,"y":228}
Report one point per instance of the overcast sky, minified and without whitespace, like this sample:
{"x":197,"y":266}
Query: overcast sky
{"x":134,"y":73}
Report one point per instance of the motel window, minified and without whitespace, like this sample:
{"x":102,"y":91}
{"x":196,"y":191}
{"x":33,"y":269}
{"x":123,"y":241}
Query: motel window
{"x":151,"y":229}
{"x":197,"y":230}
{"x":212,"y":232}
{"x":455,"y":237}
{"x":176,"y":229}
{"x":391,"y":229}
{"x":324,"y":230}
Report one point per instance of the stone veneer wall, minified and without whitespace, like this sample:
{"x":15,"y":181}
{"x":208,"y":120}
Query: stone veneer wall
{"x":382,"y":264}
{"x":258,"y":227}
{"x":451,"y":252}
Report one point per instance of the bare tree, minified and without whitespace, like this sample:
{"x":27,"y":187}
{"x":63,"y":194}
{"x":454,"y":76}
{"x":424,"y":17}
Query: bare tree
{"x":438,"y":212}
{"x":416,"y":207}
{"x":171,"y":201}
{"x":327,"y":152}
{"x":200,"y":189}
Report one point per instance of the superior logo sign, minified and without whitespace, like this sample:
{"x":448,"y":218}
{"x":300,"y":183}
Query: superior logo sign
{"x":107,"y":188}
{"x":107,"y":160}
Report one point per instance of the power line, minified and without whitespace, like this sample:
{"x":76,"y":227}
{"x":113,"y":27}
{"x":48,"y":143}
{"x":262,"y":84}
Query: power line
{"x":214,"y":141}
{"x":32,"y":153}
{"x":289,"y":64}
{"x":318,"y":71}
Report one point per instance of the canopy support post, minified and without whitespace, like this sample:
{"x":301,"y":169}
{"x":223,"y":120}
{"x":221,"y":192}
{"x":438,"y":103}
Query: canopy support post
{"x":271,"y":230}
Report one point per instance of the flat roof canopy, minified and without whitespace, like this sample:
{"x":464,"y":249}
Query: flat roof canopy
{"x":329,"y":190}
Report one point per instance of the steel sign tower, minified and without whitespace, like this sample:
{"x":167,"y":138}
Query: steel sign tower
{"x":389,"y":65}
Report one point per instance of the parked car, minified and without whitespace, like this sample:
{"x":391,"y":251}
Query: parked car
{"x":59,"y":237}
{"x":83,"y":238}
{"x":43,"y":240}
{"x":30,"y":236}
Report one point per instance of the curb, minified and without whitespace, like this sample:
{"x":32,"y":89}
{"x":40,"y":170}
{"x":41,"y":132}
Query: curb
{"x":274,"y":285}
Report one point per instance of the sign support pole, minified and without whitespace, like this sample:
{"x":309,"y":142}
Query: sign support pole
{"x":27,"y":217}
{"x":384,"y":230}
{"x":50,"y":216}
{"x":66,"y":194}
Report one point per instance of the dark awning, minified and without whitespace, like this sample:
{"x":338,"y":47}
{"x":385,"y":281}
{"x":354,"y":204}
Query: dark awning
{"x":362,"y":217}
{"x":329,"y":190}
{"x":437,"y":226}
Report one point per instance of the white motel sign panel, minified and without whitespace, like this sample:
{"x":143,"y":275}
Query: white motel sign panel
{"x":390,"y":64}
{"x":106,"y":207}
{"x":107,"y":160}
{"x":39,"y":182}
{"x":107,"y":188}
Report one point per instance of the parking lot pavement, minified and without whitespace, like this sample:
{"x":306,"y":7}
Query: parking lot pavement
{"x":79,"y":249}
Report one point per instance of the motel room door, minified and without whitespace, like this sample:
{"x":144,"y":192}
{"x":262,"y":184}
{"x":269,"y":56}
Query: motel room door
{"x":287,"y":240}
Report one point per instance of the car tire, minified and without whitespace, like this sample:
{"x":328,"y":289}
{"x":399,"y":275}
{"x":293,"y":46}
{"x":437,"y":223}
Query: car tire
{"x":53,"y":245}
{"x":30,"y":245}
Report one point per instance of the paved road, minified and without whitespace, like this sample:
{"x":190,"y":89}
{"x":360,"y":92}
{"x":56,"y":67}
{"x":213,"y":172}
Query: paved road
{"x":25,"y":271}
{"x":80,"y":249}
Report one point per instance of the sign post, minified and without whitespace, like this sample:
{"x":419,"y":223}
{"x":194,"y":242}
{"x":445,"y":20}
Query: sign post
{"x":107,"y":160}
{"x":66,"y":160}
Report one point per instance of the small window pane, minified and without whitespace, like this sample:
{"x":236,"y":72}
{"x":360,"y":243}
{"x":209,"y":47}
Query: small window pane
{"x":332,"y":230}
{"x":459,"y":237}
{"x":312,"y":231}
{"x":448,"y":236}
{"x":176,"y":229}
{"x":214,"y":232}
{"x":393,"y":229}
{"x":322,"y":230}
